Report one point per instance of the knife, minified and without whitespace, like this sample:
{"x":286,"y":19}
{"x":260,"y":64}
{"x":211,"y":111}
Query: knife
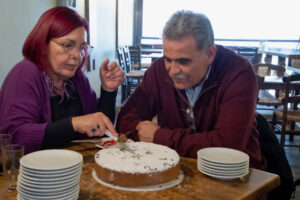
{"x":120,"y":142}
{"x":88,"y":141}
{"x":110,"y":135}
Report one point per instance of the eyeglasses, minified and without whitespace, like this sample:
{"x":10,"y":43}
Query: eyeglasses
{"x":68,"y":46}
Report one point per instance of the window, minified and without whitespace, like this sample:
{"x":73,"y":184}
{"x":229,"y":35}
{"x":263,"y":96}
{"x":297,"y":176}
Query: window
{"x":251,"y":19}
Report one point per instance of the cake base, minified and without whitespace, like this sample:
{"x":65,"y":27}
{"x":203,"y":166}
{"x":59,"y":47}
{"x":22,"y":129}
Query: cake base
{"x":163,"y":186}
{"x":139,"y":179}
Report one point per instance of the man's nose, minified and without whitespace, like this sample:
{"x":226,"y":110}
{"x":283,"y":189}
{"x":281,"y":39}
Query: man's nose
{"x":174,"y":68}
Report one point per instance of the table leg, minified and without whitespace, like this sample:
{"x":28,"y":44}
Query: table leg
{"x":268,"y":59}
{"x":281,"y":61}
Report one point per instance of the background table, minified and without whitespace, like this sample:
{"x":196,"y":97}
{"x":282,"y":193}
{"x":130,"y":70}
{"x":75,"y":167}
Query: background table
{"x":195,"y":185}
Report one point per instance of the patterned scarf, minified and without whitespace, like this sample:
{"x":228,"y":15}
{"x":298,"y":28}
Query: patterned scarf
{"x":67,"y":89}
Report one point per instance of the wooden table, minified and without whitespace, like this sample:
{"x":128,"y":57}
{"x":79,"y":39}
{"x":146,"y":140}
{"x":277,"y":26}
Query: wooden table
{"x":281,"y":53}
{"x":275,"y":83}
{"x":195,"y":185}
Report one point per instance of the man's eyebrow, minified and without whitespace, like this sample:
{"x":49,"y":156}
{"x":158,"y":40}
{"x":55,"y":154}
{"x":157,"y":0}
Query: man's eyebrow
{"x":177,"y":59}
{"x":165,"y":57}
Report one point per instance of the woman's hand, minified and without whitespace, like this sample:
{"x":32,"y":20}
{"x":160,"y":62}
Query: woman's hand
{"x":111,"y":76}
{"x":93,"y":124}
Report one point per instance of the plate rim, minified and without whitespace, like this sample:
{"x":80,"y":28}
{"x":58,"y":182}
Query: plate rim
{"x":26,"y":158}
{"x":202,"y":154}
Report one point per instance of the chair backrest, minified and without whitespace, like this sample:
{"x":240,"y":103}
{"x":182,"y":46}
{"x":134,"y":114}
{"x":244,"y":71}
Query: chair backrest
{"x":135,"y":56}
{"x":250,"y":53}
{"x":127,"y":58}
{"x":289,"y":92}
{"x":267,"y":69}
{"x":290,"y":102}
{"x":121,"y":59}
{"x":294,"y":61}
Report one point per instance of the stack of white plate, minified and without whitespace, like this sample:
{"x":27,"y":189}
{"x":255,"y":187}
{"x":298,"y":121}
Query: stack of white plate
{"x":49,"y":174}
{"x":223,"y":163}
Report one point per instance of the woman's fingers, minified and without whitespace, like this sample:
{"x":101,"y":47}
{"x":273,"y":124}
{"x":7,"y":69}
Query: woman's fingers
{"x":93,"y":124}
{"x":110,"y":126}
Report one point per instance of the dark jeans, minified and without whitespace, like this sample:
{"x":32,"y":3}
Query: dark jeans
{"x":277,"y":162}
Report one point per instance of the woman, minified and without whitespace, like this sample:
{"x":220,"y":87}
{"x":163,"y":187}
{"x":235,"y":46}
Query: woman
{"x":46,"y":100}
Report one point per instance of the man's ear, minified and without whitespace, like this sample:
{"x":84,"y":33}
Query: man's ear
{"x":211,"y":53}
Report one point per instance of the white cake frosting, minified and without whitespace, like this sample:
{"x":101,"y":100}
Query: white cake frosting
{"x":147,"y":157}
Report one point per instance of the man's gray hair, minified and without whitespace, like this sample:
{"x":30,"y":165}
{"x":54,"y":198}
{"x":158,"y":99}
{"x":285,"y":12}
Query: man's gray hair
{"x":184,"y":23}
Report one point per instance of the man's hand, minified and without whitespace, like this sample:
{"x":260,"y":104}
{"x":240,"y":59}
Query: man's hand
{"x":146,"y":130}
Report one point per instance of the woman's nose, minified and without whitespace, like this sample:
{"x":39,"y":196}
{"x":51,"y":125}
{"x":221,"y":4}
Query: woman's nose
{"x":76,"y":53}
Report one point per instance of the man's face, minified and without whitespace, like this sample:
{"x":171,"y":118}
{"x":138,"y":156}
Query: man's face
{"x":186,"y":64}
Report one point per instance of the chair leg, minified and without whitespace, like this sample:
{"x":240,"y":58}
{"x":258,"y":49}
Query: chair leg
{"x":274,"y":118}
{"x":283,"y":130}
{"x":123,"y":93}
{"x":291,"y":136}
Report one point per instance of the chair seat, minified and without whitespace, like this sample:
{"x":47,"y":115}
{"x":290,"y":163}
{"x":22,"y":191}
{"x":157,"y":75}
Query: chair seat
{"x":292,"y":115}
{"x":145,"y":65}
{"x":269,"y":101}
{"x":135,"y":74}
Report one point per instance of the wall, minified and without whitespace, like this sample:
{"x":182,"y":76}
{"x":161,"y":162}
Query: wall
{"x":102,"y":36}
{"x":125,"y":25}
{"x":17,"y":19}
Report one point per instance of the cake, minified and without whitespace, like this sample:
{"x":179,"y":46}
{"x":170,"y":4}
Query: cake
{"x":150,"y":164}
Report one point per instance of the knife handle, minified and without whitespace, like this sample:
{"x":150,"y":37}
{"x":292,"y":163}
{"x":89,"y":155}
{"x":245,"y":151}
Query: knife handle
{"x":108,"y":133}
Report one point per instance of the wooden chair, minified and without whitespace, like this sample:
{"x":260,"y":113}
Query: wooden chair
{"x":250,"y":53}
{"x":268,"y":99}
{"x":294,"y":61}
{"x":135,"y":56}
{"x":289,"y":112}
{"x":132,"y":77}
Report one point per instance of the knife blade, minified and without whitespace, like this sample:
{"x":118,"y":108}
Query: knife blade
{"x":124,"y":146}
{"x":87,"y":141}
{"x":120,"y":142}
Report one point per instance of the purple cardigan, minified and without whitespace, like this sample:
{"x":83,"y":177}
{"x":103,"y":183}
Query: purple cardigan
{"x":25,"y":104}
{"x":224,"y":112}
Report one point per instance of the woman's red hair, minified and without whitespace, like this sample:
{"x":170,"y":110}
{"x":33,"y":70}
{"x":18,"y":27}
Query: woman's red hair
{"x":55,"y":22}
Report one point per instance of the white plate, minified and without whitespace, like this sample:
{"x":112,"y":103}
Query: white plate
{"x":57,"y":175}
{"x":222,"y":155}
{"x":50,"y":192}
{"x":37,"y":186}
{"x":142,"y":189}
{"x":66,"y":195}
{"x":37,"y":171}
{"x":52,"y":179}
{"x":48,"y":183}
{"x":223,"y":173}
{"x":224,"y":164}
{"x":222,"y":167}
{"x":52,"y":159}
{"x":222,"y":177}
{"x":61,"y":189}
{"x":70,"y":197}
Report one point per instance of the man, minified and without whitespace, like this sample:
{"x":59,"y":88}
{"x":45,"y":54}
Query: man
{"x":202,"y":94}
